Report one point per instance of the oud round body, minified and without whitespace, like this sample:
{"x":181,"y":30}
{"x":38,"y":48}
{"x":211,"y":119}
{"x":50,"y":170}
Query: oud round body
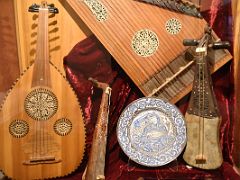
{"x":42,"y":133}
{"x":203,"y":148}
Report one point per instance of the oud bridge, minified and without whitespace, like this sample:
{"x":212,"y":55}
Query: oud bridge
{"x":42,"y":160}
{"x":201,"y":159}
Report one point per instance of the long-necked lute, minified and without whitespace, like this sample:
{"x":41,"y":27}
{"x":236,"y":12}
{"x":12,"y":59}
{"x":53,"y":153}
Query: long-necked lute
{"x":202,"y":117}
{"x":42,"y":133}
{"x":96,"y":163}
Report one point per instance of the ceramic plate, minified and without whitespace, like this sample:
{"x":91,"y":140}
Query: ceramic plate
{"x":151,"y":132}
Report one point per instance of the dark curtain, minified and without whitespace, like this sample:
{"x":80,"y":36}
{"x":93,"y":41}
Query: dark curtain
{"x":89,"y":59}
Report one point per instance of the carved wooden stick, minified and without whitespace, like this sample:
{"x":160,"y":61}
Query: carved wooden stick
{"x":96,"y":162}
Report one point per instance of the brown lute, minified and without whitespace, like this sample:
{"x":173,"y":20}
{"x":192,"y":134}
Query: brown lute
{"x":42,"y":132}
{"x":202,"y":117}
{"x":96,"y":162}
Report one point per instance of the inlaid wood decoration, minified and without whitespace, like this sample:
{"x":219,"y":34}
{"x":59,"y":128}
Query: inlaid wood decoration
{"x":97,"y":9}
{"x":146,"y":41}
{"x":42,"y":135}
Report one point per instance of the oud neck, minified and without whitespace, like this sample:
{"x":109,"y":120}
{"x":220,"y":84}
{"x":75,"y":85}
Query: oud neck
{"x":41,"y":71}
{"x":202,"y":102}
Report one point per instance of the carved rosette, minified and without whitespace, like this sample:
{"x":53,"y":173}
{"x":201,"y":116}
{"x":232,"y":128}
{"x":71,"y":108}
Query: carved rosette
{"x":18,"y":128}
{"x":145,"y":43}
{"x":97,"y":9}
{"x":41,"y":104}
{"x":173,"y":26}
{"x":62,"y":127}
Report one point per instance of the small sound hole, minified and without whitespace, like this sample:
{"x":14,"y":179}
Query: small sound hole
{"x":18,"y":128}
{"x":62,"y":127}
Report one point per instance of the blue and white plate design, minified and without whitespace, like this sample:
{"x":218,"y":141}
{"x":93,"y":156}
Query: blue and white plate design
{"x":151,"y":132}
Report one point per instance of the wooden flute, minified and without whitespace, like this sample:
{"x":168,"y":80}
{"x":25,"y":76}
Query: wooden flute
{"x":96,"y":162}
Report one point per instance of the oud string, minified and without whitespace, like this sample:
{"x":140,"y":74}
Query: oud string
{"x":44,"y":76}
{"x":40,"y":48}
{"x":48,"y":80}
{"x":45,"y":129}
{"x":34,"y":136}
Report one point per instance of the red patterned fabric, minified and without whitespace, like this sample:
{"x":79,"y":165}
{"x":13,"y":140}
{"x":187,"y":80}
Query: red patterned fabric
{"x":89,"y":59}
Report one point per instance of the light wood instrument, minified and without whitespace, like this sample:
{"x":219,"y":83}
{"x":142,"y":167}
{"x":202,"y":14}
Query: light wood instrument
{"x":202,"y":117}
{"x":146,"y":41}
{"x":64,"y":32}
{"x":96,"y":162}
{"x":42,"y":133}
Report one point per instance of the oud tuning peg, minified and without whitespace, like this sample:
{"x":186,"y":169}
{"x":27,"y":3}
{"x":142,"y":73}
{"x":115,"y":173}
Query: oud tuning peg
{"x":34,"y":34}
{"x":51,"y":15}
{"x":34,"y":17}
{"x":51,"y":5}
{"x":33,"y":8}
{"x":54,"y":30}
{"x":34,"y":26}
{"x":53,"y":10}
{"x":52,"y":23}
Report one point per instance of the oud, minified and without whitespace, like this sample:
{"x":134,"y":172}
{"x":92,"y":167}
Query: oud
{"x":202,"y":117}
{"x":42,"y":132}
{"x":96,"y":162}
